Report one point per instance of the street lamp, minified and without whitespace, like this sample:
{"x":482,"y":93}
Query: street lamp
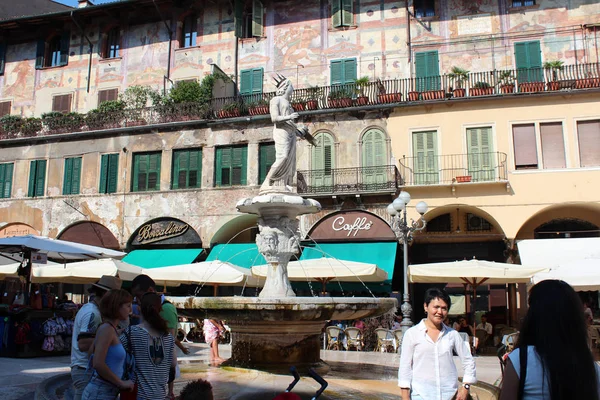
{"x":404,"y":232}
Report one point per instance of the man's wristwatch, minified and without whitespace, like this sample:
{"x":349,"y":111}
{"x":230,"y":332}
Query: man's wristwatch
{"x":466,"y":386}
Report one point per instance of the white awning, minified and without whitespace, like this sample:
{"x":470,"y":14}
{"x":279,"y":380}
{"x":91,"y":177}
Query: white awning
{"x":553,"y":252}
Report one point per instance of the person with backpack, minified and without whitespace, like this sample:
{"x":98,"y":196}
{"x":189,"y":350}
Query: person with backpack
{"x":153,"y":349}
{"x":108,"y":353}
{"x":86,"y":323}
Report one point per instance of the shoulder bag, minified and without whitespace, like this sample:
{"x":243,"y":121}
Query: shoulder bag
{"x":129,"y":370}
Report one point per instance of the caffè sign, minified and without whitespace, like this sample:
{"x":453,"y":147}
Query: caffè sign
{"x":165,"y":231}
{"x":352,"y":225}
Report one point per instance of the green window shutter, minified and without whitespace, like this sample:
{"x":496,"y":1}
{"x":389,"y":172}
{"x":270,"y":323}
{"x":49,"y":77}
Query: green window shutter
{"x":103,"y":174}
{"x":239,"y":161}
{"x":31,"y":189}
{"x":244,"y":165}
{"x":336,"y":13}
{"x":246,"y":81}
{"x":113,"y":172}
{"x":266,"y":159}
{"x":257,"y":81}
{"x":40,"y":178}
{"x":479,"y":145}
{"x":40,"y":54}
{"x":328,"y":162}
{"x":136,"y":168}
{"x":317,"y":153}
{"x":238,"y":15}
{"x":257,"y":18}
{"x":65,"y":40}
{"x":68,"y":176}
{"x":425,"y":158}
{"x":368,"y":160}
{"x":194,"y":175}
{"x":420,"y":71}
{"x":427,"y":71}
{"x":154,"y":171}
{"x":218,"y":165}
{"x":175,"y":170}
{"x":337,"y":72}
{"x":347,"y":12}
{"x":2,"y":57}
{"x":6,"y":173}
{"x":350,"y":70}
{"x":76,"y":175}
{"x":528,"y":61}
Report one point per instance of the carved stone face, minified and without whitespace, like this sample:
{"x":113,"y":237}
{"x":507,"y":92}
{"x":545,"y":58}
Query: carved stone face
{"x":270,"y":241}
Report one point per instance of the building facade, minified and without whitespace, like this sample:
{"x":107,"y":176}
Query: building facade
{"x":488,"y":110}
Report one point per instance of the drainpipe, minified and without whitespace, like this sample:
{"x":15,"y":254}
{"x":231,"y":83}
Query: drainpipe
{"x":235,"y":66}
{"x":168,"y":76}
{"x":408,"y":39}
{"x":91,"y":51}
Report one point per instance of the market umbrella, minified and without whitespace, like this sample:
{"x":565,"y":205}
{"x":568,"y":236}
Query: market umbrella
{"x":56,"y":249}
{"x":84,"y":272}
{"x":581,"y":274}
{"x":326,"y":269}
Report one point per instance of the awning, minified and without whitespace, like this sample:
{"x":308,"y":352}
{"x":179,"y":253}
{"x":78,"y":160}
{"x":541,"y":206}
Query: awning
{"x":554,"y":252}
{"x":243,"y":255}
{"x":162,"y":258}
{"x":383,"y":254}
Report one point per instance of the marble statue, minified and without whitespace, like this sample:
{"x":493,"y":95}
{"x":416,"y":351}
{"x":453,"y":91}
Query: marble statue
{"x":285,"y":134}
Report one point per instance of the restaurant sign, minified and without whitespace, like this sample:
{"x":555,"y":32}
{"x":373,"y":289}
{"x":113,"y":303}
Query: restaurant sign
{"x":352,"y":225}
{"x":165,"y":231}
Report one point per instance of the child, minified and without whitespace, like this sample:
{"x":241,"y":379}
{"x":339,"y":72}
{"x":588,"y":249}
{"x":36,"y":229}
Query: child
{"x":197,"y":390}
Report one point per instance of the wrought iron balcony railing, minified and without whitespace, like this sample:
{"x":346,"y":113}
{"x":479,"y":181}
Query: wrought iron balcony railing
{"x":380,"y":179}
{"x":453,"y":168}
{"x":379,"y":93}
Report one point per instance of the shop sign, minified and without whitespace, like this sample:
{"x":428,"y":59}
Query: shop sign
{"x":352,"y":225}
{"x":17,"y":229}
{"x":165,"y":231}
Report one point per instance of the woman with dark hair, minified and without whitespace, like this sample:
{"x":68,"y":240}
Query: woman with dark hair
{"x":108,"y":352}
{"x":427,"y":370}
{"x":552,"y":360}
{"x":153,"y":348}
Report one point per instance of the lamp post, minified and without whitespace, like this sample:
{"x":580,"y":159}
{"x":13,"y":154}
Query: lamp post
{"x":404,"y":231}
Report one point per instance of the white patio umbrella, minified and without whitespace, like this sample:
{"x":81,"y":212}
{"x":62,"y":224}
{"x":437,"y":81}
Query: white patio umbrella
{"x":326,"y":269}
{"x":84,"y":272}
{"x":57,"y":249}
{"x":581,"y":274}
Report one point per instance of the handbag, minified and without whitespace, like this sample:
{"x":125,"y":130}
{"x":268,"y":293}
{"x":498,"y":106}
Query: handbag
{"x":129,"y":370}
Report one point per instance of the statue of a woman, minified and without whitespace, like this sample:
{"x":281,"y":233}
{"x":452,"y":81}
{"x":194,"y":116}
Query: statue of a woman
{"x":285,"y":133}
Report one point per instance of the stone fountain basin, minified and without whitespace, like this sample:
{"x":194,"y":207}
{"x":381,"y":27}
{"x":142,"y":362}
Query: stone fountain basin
{"x":309,"y":309}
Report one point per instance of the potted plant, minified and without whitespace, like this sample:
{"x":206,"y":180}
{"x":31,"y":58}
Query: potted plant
{"x":230,"y":110}
{"x":463,"y":179}
{"x":458,"y":76}
{"x":299,"y":104}
{"x":259,"y":107}
{"x":481,"y":89}
{"x":58,"y":122}
{"x":361,"y":83}
{"x":433,"y":94}
{"x":340,"y":97}
{"x":384,"y":97}
{"x":506,"y":81}
{"x":553,"y":67}
{"x":312,"y":96}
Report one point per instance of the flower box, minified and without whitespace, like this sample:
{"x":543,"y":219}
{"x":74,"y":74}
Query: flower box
{"x":506,"y":89}
{"x":362,"y":101}
{"x":389,"y":98}
{"x":463,"y":179}
{"x":258,"y":110}
{"x":413,"y":96}
{"x":459,"y":92}
{"x":486,"y":91}
{"x":297,"y":106}
{"x":433,"y":95}
{"x":312,"y":104}
{"x":531,"y":87}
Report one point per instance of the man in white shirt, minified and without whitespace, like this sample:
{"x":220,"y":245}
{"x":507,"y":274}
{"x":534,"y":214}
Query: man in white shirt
{"x":427,"y":370}
{"x":86,"y":323}
{"x":485,"y":325}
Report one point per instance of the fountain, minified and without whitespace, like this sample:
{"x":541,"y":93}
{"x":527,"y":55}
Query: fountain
{"x":277,"y":329}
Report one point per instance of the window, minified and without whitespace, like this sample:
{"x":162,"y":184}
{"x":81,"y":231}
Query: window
{"x":523,"y":3}
{"x":343,"y":71}
{"x":425,"y":157}
{"x":249,"y":16}
{"x":374,"y":157}
{"x":112,"y":43}
{"x":427,"y":71}
{"x":342,"y":13}
{"x":323,"y":160}
{"x":443,"y":223}
{"x":53,"y":53}
{"x":61,"y":103}
{"x":424,"y":8}
{"x":187,"y":169}
{"x":189,"y":31}
{"x":6,"y":176}
{"x":2,"y":57}
{"x":230,"y":165}
{"x":588,"y":137}
{"x":37,"y":178}
{"x":251,"y":81}
{"x":525,"y":146}
{"x":5,"y":107}
{"x":146,"y":172}
{"x":528,"y":61}
{"x":109,"y":173}
{"x":477,"y":224}
{"x":482,"y":163}
{"x":266,"y":158}
{"x":553,"y":145}
{"x":72,"y":176}
{"x":107,"y":95}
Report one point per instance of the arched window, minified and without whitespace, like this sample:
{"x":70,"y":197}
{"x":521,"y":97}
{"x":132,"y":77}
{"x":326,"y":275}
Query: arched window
{"x":323,"y":160}
{"x":374,"y":157}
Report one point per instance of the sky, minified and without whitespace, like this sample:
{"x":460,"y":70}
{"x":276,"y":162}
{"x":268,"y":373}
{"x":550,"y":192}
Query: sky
{"x":73,"y":3}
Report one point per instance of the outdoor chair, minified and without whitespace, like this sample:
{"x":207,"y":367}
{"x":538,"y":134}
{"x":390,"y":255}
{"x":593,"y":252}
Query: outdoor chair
{"x":385,"y":340}
{"x":354,"y":338}
{"x":398,"y":334}
{"x":333,"y":337}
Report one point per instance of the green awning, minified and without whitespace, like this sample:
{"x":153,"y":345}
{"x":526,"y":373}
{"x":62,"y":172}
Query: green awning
{"x":381,"y":253}
{"x":162,"y":258}
{"x":243,"y":255}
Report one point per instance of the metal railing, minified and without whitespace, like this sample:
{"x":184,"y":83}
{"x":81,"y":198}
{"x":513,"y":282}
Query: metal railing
{"x":453,"y":168}
{"x":385,"y":178}
{"x":380,"y":92}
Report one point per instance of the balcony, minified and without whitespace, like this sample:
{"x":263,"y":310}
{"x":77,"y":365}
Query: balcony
{"x":360,"y":180}
{"x":454,"y":169}
{"x":378,"y":94}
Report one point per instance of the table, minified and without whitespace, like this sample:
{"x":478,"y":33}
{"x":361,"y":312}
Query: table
{"x":186,"y":327}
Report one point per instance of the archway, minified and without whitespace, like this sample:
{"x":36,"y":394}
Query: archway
{"x":17,"y":229}
{"x":90,"y":232}
{"x":574,"y":218}
{"x":241,"y":229}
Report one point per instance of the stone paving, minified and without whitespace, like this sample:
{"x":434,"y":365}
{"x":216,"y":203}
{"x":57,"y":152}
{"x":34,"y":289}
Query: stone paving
{"x":353,"y":375}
